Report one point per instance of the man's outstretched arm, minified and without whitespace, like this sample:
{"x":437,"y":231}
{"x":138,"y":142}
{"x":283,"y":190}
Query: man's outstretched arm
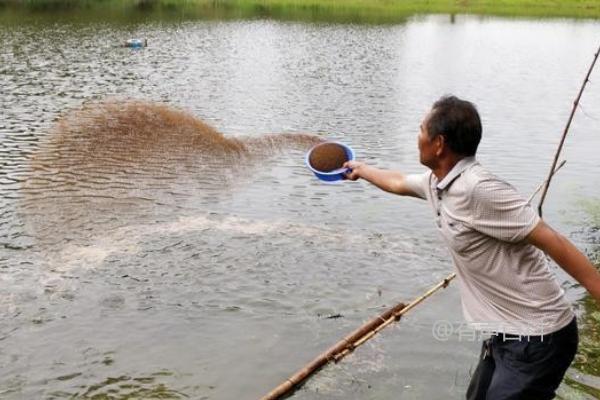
{"x":388,"y":180}
{"x":567,"y":256}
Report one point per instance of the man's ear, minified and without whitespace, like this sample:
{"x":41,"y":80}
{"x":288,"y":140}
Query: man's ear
{"x":440,"y":144}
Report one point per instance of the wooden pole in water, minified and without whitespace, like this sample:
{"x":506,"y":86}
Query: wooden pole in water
{"x":562,"y":140}
{"x":414,"y":303}
{"x":350,"y":342}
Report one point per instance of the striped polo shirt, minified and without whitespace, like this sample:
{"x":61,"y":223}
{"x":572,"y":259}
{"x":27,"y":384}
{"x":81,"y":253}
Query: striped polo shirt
{"x":506,"y":284}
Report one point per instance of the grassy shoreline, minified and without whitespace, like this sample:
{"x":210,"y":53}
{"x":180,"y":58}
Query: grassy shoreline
{"x":587,"y":360}
{"x":357,"y":11}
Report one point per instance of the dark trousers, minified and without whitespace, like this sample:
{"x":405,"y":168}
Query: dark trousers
{"x":523,"y":369}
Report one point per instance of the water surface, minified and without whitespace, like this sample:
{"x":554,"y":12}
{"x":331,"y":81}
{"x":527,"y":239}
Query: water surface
{"x":155,"y":266}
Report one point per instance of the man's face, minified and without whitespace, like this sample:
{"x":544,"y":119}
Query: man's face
{"x":427,"y":146}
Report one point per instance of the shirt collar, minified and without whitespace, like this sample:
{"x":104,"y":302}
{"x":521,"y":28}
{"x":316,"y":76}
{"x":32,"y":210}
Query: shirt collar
{"x":458,"y":169}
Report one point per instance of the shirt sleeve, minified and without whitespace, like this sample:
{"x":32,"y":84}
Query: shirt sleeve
{"x":499,"y":211}
{"x":418,"y":184}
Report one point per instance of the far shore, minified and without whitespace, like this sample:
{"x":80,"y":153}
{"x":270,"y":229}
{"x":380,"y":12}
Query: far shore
{"x":355,"y":11}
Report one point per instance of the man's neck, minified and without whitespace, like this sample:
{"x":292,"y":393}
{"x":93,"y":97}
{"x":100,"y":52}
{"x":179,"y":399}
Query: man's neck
{"x":445,"y":165}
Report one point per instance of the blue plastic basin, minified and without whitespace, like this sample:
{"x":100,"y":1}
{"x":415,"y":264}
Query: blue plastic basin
{"x":336,"y":174}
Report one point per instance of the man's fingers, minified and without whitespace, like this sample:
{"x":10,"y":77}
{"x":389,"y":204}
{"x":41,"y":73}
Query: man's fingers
{"x":353,"y":166}
{"x":351,"y":175}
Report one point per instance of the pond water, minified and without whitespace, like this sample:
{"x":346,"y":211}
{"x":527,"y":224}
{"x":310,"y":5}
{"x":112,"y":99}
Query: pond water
{"x":136,"y":262}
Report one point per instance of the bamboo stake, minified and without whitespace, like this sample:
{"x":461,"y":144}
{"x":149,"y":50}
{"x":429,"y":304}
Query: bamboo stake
{"x":350,"y":342}
{"x":562,"y":140}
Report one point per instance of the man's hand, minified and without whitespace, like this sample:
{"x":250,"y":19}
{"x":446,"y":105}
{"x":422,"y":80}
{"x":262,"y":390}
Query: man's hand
{"x":567,"y":256}
{"x":355,"y":167}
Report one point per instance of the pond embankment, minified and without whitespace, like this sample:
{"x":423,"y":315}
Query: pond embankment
{"x":359,"y":11}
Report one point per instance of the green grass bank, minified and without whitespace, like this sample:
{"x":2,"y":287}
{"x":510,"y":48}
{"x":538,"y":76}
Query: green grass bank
{"x":587,"y":361}
{"x":356,"y":11}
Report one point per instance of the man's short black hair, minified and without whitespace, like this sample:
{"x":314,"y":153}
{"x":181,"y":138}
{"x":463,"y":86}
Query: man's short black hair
{"x":458,"y":121}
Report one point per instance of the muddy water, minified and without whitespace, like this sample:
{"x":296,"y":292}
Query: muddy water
{"x":161,"y":237}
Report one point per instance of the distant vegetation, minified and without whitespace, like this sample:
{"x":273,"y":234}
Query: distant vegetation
{"x":367,"y":11}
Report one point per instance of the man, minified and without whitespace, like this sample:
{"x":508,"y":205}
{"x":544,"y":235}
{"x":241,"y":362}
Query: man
{"x":497,"y":242}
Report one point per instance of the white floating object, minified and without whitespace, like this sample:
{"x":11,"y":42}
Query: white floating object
{"x":136,"y":43}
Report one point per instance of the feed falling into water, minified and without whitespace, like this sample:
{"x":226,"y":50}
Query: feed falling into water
{"x":123,"y":160}
{"x":138,"y":130}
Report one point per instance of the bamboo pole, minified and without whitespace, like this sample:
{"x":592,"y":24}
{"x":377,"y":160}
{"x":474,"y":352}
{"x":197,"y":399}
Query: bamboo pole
{"x":562,"y":140}
{"x":396,"y":316}
{"x":350,"y":342}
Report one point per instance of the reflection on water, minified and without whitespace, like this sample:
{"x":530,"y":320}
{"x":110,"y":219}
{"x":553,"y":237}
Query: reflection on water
{"x":119,"y":388}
